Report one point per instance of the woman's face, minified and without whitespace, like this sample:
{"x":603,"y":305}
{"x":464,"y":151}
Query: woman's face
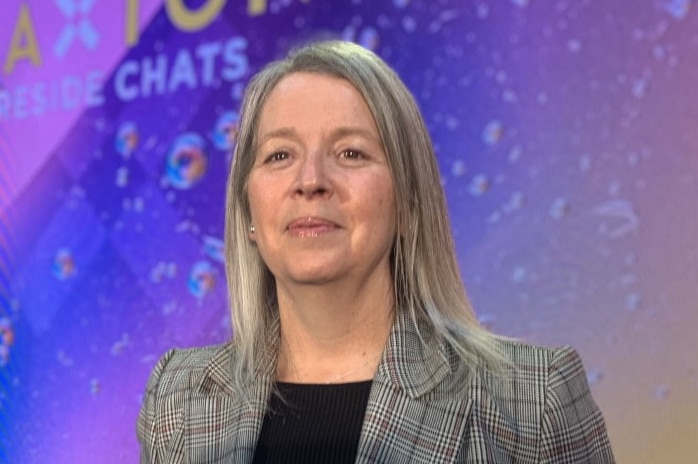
{"x":320,"y":191}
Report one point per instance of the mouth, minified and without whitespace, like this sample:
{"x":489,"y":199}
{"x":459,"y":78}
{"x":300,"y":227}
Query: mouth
{"x":311,"y":226}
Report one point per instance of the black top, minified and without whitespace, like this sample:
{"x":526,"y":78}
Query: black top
{"x":313,"y":423}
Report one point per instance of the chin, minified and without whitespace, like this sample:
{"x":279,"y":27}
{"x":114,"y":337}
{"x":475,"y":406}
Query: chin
{"x":313,"y":278}
{"x":313,"y":275}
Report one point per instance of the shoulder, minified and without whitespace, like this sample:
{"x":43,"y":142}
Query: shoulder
{"x":540,"y":364}
{"x":185,"y":369}
{"x":526,"y":367}
{"x":179,"y":375}
{"x":535,"y":378}
{"x":519,"y":386}
{"x":543,"y":394}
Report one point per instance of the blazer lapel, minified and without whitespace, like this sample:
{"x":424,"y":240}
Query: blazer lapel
{"x":400,"y":429}
{"x":413,"y":414}
{"x":219,"y":427}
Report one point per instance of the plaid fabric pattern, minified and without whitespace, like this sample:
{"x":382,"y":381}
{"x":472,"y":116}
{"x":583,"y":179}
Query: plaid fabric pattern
{"x":421,"y":409}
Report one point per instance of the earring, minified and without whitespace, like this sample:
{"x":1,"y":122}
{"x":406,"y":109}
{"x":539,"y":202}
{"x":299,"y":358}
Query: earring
{"x":252,"y":229}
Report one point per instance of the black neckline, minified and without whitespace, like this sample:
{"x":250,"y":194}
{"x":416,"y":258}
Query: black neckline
{"x":295,"y":385}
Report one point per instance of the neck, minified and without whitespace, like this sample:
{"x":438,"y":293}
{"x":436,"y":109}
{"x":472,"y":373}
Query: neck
{"x":333,"y":333}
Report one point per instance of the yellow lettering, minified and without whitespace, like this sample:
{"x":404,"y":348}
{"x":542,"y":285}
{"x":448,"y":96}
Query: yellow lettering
{"x":256,"y":7}
{"x":24,"y":44}
{"x":188,"y":20}
{"x":132,"y":8}
{"x":259,"y":7}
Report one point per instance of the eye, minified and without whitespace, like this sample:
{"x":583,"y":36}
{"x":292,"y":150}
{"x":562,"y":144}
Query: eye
{"x":277,"y":156}
{"x":352,"y":153}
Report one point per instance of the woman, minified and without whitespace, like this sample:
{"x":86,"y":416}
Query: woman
{"x":354,"y":340}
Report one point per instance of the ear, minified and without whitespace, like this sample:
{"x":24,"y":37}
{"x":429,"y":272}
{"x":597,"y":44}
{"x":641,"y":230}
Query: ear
{"x":251,"y":233}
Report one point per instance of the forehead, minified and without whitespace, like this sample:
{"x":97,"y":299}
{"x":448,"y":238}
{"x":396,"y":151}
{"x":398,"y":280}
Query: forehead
{"x":304,"y":97}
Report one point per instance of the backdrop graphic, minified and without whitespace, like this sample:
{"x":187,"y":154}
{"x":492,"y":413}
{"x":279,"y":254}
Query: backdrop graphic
{"x":565,"y":135}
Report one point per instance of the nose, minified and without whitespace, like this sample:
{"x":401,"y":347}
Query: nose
{"x":312,"y":179}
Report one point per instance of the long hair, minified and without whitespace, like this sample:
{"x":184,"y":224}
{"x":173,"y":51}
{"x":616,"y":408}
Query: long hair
{"x":426,"y":278}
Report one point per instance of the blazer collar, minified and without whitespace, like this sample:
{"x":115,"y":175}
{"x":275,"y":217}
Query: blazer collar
{"x":220,"y":426}
{"x":419,"y":407}
{"x":218,"y":373}
{"x":415,"y":359}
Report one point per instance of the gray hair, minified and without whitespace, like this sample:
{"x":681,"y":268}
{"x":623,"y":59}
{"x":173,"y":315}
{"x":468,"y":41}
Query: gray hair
{"x":426,"y":278}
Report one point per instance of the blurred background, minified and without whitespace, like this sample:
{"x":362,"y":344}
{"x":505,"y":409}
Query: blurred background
{"x":566,"y":136}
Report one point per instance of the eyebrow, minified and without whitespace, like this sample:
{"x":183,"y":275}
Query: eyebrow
{"x":339,"y":132}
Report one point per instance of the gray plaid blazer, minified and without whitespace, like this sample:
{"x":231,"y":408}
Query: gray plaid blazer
{"x":421,"y":408}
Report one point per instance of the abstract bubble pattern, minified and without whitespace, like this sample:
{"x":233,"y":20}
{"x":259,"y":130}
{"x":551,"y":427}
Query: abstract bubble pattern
{"x":493,"y":132}
{"x":224,"y":131}
{"x":126,"y":139}
{"x":202,"y":279}
{"x":7,"y":339}
{"x":64,"y":264}
{"x":186,"y":161}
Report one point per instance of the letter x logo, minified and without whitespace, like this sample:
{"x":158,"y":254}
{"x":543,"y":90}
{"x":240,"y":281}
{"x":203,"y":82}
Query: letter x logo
{"x":76,"y":27}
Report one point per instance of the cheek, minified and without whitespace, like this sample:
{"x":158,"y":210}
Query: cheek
{"x":255,"y":199}
{"x":265,"y":193}
{"x":384,"y":205}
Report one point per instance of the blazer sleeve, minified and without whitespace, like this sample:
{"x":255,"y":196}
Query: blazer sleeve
{"x":146,"y":424}
{"x":573,"y":429}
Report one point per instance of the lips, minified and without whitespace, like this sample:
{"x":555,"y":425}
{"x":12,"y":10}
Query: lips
{"x":311,"y":226}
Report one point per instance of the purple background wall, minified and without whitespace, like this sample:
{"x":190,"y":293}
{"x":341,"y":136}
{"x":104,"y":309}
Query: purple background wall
{"x":564,"y":131}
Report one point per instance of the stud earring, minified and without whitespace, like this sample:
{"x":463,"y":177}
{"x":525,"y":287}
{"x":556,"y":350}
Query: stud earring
{"x":252,"y":229}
